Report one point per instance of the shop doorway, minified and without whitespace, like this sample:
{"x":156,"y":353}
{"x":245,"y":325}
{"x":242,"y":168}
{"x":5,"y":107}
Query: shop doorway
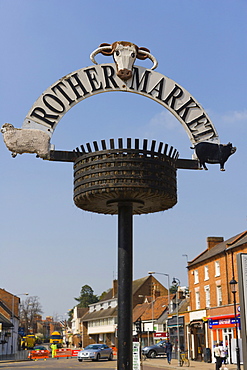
{"x":227,"y":336}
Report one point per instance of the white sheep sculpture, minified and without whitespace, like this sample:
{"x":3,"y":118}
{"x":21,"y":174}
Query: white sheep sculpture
{"x":20,"y":141}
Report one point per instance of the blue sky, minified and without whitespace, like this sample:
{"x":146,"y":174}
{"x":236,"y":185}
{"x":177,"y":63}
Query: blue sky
{"x":49,"y":247}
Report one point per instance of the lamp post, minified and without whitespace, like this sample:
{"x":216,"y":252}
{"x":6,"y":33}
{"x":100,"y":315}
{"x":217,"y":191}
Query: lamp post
{"x":233,"y":286}
{"x":168,"y":278}
{"x":176,"y":283}
{"x":186,"y":256}
{"x":153,"y":313}
{"x":13,"y":314}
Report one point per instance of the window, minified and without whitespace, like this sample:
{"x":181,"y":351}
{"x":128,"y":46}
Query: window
{"x":197,"y":300}
{"x":219,"y":295}
{"x":206,"y":277}
{"x":196,"y":277}
{"x":207,"y":295}
{"x":217,"y":268}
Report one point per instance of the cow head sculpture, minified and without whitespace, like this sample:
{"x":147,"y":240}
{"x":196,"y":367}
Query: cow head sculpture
{"x":124,"y":54}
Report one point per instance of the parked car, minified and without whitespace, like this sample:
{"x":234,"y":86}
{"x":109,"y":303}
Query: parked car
{"x":155,"y":350}
{"x":40,"y":348}
{"x":95,"y":352}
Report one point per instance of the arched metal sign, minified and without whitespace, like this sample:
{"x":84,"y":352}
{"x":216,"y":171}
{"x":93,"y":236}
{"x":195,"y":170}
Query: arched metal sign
{"x":123,"y":75}
{"x":55,"y":102}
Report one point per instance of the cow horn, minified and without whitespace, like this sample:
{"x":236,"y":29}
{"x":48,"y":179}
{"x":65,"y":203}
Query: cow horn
{"x":97,"y":51}
{"x":151,"y":57}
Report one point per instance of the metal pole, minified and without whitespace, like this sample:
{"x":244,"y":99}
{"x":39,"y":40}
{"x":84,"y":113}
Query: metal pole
{"x":153,"y":314}
{"x":178,"y":349}
{"x":13,"y":327}
{"x":176,"y":282}
{"x":125,"y":262}
{"x":168,"y":276}
{"x":169,"y":303}
{"x":236,"y":328}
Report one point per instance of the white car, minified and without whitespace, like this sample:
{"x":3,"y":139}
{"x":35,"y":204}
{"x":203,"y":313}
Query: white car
{"x":95,"y":352}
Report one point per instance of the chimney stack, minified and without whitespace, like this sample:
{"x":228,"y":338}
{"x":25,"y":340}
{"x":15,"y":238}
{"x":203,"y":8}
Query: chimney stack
{"x":214,"y":240}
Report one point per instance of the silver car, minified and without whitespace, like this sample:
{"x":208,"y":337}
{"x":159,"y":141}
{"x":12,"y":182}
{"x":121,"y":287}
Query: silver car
{"x":95,"y":352}
{"x":155,"y":350}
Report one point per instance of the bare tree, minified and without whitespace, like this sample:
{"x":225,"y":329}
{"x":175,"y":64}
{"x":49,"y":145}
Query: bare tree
{"x":57,"y":321}
{"x":29,"y":309}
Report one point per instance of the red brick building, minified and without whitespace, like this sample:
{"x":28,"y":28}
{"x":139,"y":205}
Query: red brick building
{"x":99,"y":324}
{"x":212,"y":312}
{"x":9,"y":322}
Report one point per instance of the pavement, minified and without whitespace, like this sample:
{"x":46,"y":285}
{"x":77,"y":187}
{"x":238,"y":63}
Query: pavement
{"x":195,"y":365}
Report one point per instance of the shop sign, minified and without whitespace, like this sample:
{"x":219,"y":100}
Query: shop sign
{"x":223,"y":323}
{"x":160,"y":335}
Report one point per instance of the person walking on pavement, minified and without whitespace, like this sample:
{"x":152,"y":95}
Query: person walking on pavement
{"x":168,"y":350}
{"x":217,"y":355}
{"x":223,"y":354}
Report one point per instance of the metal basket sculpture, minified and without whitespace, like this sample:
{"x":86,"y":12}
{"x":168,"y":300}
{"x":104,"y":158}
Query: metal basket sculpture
{"x":142,"y":176}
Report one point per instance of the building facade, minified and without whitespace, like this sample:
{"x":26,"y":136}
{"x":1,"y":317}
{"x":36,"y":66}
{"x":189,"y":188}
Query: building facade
{"x":211,"y":317}
{"x":100,"y":323}
{"x":9,"y":322}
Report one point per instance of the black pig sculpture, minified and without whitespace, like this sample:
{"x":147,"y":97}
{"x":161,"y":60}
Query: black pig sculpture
{"x":213,"y":153}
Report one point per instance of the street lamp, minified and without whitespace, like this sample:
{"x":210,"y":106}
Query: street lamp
{"x":186,"y":256}
{"x":13,"y":314}
{"x":233,"y":285}
{"x":176,"y":283}
{"x":168,"y":278}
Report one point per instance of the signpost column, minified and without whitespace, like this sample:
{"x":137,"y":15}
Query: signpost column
{"x":125,"y":262}
{"x":118,"y":180}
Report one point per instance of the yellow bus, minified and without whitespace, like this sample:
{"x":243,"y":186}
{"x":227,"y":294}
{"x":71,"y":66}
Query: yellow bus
{"x":56,"y":338}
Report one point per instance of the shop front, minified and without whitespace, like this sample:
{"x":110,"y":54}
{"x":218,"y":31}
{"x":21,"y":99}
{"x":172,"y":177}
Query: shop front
{"x":198,"y":336}
{"x":175,"y":325}
{"x":222,"y":330}
{"x":198,"y":340}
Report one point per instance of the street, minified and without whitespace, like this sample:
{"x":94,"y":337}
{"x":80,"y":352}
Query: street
{"x":71,"y":363}
{"x":61,"y":363}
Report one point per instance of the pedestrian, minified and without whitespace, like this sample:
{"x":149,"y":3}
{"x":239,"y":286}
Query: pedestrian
{"x":168,"y":350}
{"x":217,"y":355}
{"x":223,"y":354}
{"x":53,"y":350}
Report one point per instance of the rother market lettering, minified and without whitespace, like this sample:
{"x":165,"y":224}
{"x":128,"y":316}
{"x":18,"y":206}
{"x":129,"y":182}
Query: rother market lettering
{"x":54,"y":103}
